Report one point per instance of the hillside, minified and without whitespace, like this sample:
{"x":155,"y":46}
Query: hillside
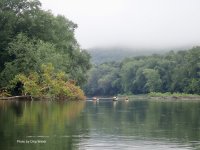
{"x":101,"y":55}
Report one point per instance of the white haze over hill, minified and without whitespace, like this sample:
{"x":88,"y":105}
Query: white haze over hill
{"x":148,"y":24}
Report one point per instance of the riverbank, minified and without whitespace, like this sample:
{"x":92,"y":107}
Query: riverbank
{"x":26,"y":97}
{"x":30,"y":98}
{"x":173,"y":96}
{"x":152,"y":95}
{"x":163,"y":96}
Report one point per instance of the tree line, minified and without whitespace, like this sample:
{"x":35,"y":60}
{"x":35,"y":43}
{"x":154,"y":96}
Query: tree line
{"x":31,"y":37}
{"x":170,"y":72}
{"x":109,"y":54}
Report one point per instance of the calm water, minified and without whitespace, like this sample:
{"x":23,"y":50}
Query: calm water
{"x":103,"y":125}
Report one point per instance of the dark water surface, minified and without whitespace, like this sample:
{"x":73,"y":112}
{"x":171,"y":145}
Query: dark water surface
{"x":103,"y":125}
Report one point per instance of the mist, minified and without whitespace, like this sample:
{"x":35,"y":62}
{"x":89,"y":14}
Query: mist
{"x":140,"y":24}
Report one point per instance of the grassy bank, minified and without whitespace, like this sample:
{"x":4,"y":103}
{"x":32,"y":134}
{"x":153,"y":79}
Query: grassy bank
{"x":168,"y":95}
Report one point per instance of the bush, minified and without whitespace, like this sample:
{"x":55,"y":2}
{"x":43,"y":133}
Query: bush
{"x":48,"y":84}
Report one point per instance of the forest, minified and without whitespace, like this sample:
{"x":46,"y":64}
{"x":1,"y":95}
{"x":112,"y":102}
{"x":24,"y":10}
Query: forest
{"x":173,"y":72}
{"x":39,"y":55}
{"x":38,"y":52}
{"x":100,"y":55}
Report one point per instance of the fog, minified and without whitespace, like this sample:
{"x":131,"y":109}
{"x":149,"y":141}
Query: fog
{"x":153,"y":24}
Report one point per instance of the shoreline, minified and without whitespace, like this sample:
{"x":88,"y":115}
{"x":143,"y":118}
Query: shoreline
{"x":30,"y":98}
{"x":188,"y":98}
{"x":26,"y":97}
{"x":151,"y":96}
{"x":165,"y":96}
{"x":174,"y":96}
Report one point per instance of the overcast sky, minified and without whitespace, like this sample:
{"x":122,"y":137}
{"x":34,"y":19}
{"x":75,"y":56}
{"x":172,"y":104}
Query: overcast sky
{"x":150,"y":24}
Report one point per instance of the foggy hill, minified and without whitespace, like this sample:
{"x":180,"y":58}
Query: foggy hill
{"x":101,"y":55}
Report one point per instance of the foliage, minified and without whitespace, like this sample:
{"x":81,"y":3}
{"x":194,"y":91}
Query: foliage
{"x":48,"y":84}
{"x":102,"y":55}
{"x":30,"y":36}
{"x":172,"y":72}
{"x":14,"y":15}
{"x":29,"y":56}
{"x":153,"y":80}
{"x":167,"y":94}
{"x":100,"y":77}
{"x":4,"y":93}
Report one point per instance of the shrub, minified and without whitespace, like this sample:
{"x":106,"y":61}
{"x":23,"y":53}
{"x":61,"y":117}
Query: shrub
{"x":49,"y":84}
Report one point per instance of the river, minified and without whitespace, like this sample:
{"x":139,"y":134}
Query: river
{"x":104,"y":125}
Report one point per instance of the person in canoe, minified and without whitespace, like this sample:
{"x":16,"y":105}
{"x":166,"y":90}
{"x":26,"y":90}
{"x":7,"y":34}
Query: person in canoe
{"x":115,"y":98}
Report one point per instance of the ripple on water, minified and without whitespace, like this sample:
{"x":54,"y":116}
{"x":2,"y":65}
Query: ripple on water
{"x":113,"y":142}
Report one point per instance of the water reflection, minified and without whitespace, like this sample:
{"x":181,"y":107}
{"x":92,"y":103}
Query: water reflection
{"x":133,"y":124}
{"x":158,"y":124}
{"x":33,"y":121}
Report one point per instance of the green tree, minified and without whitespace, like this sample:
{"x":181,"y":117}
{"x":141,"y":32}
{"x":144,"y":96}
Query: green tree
{"x":154,"y":82}
{"x":13,"y":13}
{"x":27,"y":17}
{"x":29,"y":56}
{"x":171,"y":72}
{"x":48,"y":84}
{"x":104,"y":80}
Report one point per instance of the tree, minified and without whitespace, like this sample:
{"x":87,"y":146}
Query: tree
{"x":103,"y":80}
{"x":29,"y":56}
{"x":171,"y":72}
{"x":48,"y":84}
{"x":41,"y":31}
{"x":154,"y":82}
{"x":13,"y":13}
